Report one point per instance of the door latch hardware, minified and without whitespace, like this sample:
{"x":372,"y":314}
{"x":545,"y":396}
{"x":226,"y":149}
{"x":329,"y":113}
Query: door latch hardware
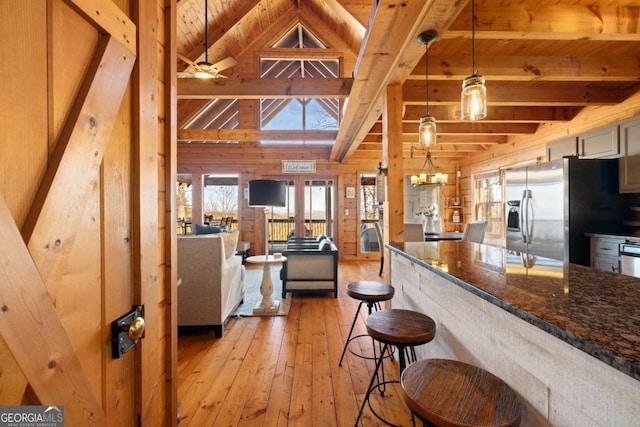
{"x":127,"y":331}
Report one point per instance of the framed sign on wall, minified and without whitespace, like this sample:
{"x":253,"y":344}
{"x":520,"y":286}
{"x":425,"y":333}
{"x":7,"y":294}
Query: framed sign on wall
{"x":298,"y":166}
{"x":350,"y":192}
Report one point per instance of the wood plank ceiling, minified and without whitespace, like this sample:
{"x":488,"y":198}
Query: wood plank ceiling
{"x":543,"y":61}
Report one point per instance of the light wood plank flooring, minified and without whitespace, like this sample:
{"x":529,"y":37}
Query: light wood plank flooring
{"x":283,"y":371}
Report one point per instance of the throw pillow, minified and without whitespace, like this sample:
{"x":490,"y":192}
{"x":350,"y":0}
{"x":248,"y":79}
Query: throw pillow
{"x":206,"y":229}
{"x":325,"y":246}
{"x":230,"y":240}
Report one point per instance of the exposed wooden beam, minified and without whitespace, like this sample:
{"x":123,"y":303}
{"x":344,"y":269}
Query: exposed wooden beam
{"x":295,"y":53}
{"x":513,"y":93}
{"x":263,"y":88}
{"x":495,"y":114}
{"x":472,"y":139}
{"x":373,"y":138}
{"x":496,"y":20}
{"x":385,"y":59}
{"x":469,"y":128}
{"x":526,"y":68}
{"x":469,"y":147}
{"x":255,"y":135}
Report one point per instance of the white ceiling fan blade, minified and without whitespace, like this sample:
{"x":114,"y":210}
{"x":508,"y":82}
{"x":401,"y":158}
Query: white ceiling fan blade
{"x":187,"y":60}
{"x":225,"y":64}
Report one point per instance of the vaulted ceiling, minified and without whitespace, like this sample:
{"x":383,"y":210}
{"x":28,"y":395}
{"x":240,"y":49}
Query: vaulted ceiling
{"x":543,"y":61}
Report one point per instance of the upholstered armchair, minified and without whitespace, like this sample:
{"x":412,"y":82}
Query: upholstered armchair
{"x":310,"y":268}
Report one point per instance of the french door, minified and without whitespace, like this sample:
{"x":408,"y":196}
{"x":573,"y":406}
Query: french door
{"x":309,"y":211}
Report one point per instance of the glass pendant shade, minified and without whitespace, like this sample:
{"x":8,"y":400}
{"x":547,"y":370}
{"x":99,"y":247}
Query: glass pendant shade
{"x":427,"y":131}
{"x":474,"y":98}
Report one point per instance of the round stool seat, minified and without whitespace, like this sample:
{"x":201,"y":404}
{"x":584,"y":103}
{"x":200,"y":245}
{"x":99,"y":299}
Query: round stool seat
{"x":401,"y":327}
{"x":452,"y":393}
{"x":367,"y":290}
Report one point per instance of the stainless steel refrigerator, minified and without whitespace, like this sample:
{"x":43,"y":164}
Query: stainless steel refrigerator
{"x":550,"y":206}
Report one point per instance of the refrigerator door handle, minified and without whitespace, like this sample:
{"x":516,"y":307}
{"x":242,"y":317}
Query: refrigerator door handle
{"x":526,"y":202}
{"x":523,"y":221}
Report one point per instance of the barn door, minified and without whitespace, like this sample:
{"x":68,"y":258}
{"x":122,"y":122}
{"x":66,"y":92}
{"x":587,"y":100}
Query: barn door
{"x":70,"y":255}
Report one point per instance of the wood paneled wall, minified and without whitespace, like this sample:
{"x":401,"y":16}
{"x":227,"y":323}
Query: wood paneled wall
{"x":88,"y":151}
{"x":250,"y":162}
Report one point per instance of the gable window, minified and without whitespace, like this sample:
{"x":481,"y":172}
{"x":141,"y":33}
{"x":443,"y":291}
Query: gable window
{"x":312,"y":116}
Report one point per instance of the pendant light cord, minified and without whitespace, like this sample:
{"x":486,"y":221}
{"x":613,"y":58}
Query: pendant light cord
{"x":473,"y":37}
{"x":206,"y":31}
{"x":426,"y":71}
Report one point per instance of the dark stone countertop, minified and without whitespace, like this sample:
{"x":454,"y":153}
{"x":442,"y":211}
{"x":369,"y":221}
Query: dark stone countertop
{"x":595,"y":311}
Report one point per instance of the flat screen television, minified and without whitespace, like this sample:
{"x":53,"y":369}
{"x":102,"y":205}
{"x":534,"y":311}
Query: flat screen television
{"x":267,"y":192}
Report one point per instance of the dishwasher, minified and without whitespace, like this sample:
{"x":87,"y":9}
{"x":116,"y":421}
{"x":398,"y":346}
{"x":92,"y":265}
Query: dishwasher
{"x":630,"y":259}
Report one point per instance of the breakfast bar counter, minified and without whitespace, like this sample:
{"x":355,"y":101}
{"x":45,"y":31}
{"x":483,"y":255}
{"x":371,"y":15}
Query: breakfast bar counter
{"x":565,"y":336}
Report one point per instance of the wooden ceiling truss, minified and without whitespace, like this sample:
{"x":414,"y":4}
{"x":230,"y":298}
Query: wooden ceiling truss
{"x":543,"y":61}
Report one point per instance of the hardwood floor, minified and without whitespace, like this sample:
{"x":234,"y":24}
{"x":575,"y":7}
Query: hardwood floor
{"x":283,"y":371}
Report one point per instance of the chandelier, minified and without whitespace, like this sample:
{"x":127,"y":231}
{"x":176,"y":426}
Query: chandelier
{"x":428,"y":175}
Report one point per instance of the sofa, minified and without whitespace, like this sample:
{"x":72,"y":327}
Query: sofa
{"x":242,"y":248}
{"x":211,"y":280}
{"x":311,"y":267}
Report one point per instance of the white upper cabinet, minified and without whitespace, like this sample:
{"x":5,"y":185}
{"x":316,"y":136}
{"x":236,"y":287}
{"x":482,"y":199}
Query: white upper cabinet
{"x":629,"y":167}
{"x":602,"y":143}
{"x":564,"y":147}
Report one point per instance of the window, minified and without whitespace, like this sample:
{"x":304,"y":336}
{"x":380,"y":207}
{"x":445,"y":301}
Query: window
{"x":369,"y":213}
{"x":221,"y":200}
{"x":488,"y":196}
{"x":318,"y":119}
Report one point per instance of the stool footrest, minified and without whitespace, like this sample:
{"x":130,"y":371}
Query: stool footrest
{"x":389,"y":354}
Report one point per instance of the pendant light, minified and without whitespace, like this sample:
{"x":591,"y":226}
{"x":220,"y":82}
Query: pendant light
{"x":473,"y":101}
{"x":427,"y":129}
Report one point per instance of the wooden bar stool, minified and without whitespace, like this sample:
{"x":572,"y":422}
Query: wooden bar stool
{"x":403,"y":329}
{"x":450,"y":393}
{"x":370,"y":293}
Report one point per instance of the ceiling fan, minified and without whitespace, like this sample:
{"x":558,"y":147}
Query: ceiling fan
{"x":205,"y":69}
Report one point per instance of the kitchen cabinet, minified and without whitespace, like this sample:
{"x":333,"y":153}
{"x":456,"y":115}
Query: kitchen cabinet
{"x":605,"y":253}
{"x":629,"y":163}
{"x":601,"y":143}
{"x":564,"y":147}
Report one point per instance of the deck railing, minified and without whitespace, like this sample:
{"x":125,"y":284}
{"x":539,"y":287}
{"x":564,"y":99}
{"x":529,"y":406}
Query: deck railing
{"x":279,"y":229}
